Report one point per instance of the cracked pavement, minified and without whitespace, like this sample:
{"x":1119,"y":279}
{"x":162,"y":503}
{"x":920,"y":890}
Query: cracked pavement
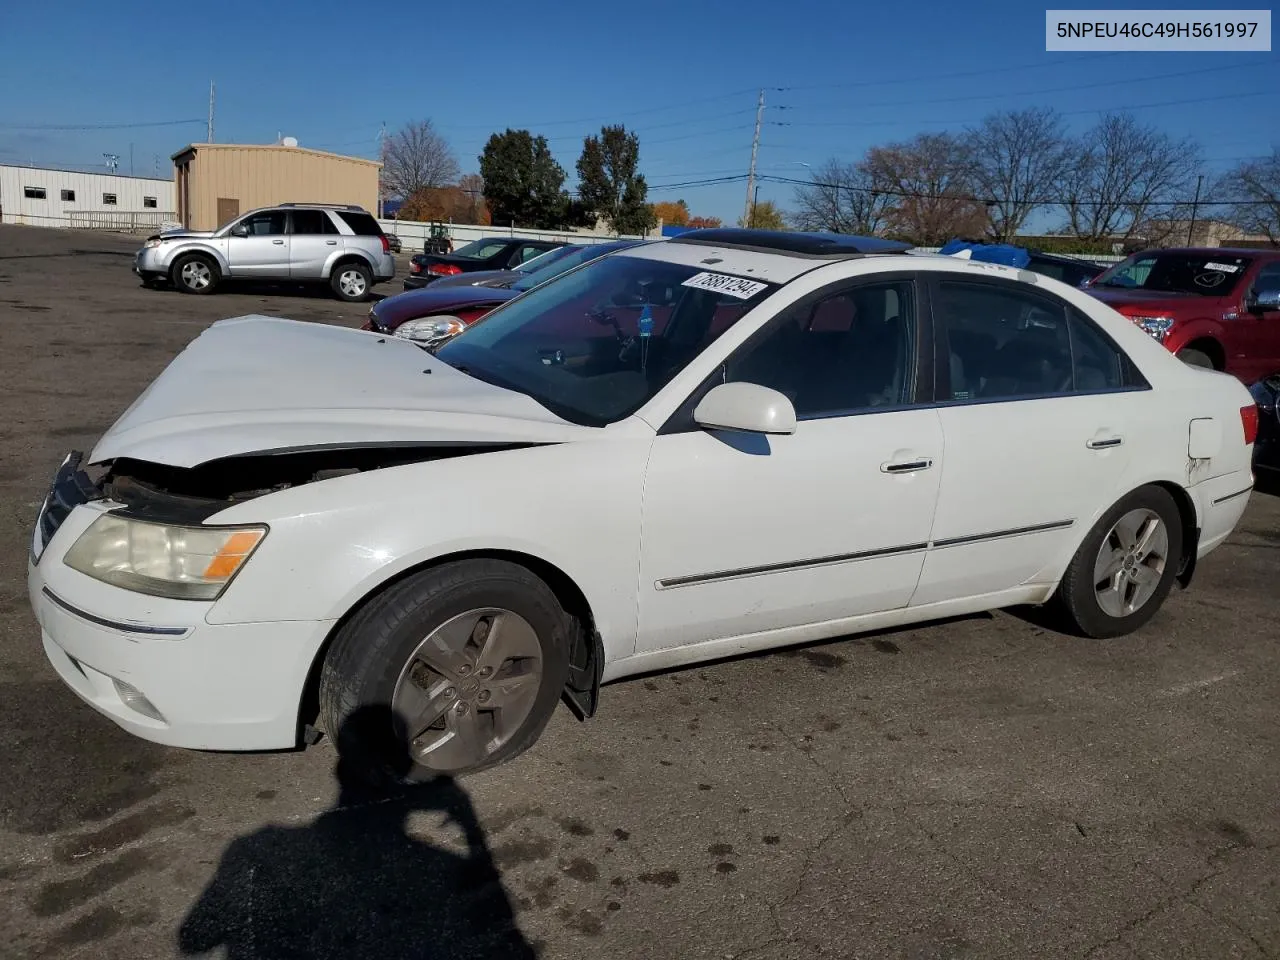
{"x":973,"y":789}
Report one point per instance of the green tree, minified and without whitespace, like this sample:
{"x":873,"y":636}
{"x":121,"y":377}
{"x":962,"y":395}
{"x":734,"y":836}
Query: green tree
{"x":764,"y":216}
{"x":608,"y":184}
{"x":523,"y":184}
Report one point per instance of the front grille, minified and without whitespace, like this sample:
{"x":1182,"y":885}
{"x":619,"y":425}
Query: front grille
{"x":71,"y":488}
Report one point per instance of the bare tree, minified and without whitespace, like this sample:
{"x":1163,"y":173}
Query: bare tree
{"x":843,"y":199}
{"x":1123,"y":175}
{"x":415,"y":158}
{"x":1253,"y":191}
{"x":1014,"y":160}
{"x":928,"y":187}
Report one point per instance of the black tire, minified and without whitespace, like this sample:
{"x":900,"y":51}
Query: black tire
{"x":1196,"y":358}
{"x":155,"y":283}
{"x":195,"y":273}
{"x":360,"y":671}
{"x":1077,"y":599}
{"x":351,"y":281}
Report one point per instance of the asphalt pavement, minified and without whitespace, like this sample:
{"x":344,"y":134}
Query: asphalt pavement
{"x":979,"y":788}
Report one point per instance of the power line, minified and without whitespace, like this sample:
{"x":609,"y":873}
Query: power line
{"x":986,"y":71}
{"x":972,"y":198}
{"x":98,"y":126}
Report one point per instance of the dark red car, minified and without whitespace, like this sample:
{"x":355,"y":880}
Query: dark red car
{"x":1213,"y":307}
{"x":487,"y":253}
{"x":439,"y":313}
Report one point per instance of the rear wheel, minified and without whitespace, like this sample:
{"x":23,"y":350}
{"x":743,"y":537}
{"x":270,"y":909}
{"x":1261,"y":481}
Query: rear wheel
{"x":453,"y":670}
{"x":1196,"y":358}
{"x":195,"y":273}
{"x":1125,"y":567}
{"x":351,"y":281}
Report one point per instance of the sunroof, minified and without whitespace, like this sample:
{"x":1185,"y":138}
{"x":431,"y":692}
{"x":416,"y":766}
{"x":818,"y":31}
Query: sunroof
{"x":832,"y":245}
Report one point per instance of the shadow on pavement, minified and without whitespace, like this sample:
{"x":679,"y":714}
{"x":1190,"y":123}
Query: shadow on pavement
{"x":354,"y":885}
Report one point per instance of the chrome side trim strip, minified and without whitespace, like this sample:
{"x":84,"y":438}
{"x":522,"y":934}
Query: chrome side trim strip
{"x":700,"y":578}
{"x":1232,"y":496}
{"x":1002,"y":534}
{"x":140,"y":628}
{"x":742,"y":572}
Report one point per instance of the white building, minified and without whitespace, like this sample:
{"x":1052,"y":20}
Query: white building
{"x":42,"y":197}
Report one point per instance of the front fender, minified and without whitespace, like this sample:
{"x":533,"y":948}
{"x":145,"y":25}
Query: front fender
{"x":211,"y":248}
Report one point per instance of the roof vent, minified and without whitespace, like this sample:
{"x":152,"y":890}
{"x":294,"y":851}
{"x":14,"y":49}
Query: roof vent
{"x":289,"y":142}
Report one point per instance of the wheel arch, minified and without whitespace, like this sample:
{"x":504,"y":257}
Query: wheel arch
{"x":1211,"y":346}
{"x":346,"y":256}
{"x":586,"y":652}
{"x":1190,"y":528}
{"x":210,"y":253}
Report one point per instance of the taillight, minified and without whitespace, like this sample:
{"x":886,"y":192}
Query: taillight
{"x":386,"y":244}
{"x":415,"y":266}
{"x":443,"y":269}
{"x":1249,"y":420}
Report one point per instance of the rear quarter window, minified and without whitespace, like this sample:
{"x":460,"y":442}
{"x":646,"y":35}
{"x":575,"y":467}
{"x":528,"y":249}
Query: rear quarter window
{"x":361,"y":224}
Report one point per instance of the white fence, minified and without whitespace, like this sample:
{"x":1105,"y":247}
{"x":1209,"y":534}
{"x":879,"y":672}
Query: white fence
{"x":128,"y":221}
{"x":413,"y":233}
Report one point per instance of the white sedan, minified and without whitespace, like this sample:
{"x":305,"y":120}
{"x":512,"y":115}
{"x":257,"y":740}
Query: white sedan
{"x":726,"y":442}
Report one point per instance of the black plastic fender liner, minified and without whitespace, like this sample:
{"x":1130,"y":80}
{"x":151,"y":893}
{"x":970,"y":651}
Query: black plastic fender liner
{"x":586,"y":665}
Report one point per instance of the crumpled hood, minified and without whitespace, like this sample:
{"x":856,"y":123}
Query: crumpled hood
{"x":257,"y":384}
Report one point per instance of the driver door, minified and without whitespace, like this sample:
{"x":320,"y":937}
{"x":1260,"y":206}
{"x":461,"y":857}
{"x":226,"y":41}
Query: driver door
{"x":263,"y":249}
{"x":1262,"y":346}
{"x":745,"y":533}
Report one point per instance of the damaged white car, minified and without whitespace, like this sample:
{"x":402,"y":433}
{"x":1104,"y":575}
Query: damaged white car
{"x":726,"y":442}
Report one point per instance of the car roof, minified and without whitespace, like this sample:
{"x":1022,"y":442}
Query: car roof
{"x":1211,"y":251}
{"x":799,"y":243}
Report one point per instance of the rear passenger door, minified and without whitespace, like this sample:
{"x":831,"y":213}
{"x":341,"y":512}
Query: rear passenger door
{"x":1037,"y":408}
{"x":312,"y":238}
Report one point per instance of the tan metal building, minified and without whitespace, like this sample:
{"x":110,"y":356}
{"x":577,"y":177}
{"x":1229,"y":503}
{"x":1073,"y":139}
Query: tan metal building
{"x":215,"y":182}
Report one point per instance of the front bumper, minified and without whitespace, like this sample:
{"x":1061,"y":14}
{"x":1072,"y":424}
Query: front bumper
{"x":214,"y":686}
{"x":148,"y":263}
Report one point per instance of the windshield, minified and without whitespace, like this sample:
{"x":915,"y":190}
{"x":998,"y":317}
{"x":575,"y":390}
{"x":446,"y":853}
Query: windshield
{"x":570,"y":258}
{"x":594,"y":345}
{"x":1207,"y":274}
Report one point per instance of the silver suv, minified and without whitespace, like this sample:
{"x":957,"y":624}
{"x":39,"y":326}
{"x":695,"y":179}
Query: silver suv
{"x":340,"y":245}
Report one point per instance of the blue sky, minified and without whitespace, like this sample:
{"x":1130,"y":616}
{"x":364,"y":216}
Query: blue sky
{"x":683,"y":74}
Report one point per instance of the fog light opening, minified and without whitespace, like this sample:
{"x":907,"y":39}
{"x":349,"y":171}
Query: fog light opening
{"x":132,"y":698}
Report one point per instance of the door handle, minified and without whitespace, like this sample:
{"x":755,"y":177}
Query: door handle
{"x":1104,"y":443}
{"x":331,"y":243}
{"x":906,"y":466}
{"x":278,"y":242}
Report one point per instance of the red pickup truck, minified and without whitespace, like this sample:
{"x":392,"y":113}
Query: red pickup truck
{"x":1212,"y":307}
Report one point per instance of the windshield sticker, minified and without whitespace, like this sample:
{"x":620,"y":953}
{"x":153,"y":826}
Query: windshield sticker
{"x":1222,"y":267}
{"x":723,"y":283}
{"x":1209,"y":279}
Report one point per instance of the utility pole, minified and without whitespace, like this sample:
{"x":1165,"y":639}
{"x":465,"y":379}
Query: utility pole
{"x":210,"y":139}
{"x":1194,"y":204}
{"x":751,"y":173}
{"x":382,"y":146}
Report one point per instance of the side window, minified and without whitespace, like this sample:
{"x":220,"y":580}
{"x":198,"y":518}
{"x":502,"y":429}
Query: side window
{"x":310,"y":222}
{"x":1268,"y":277}
{"x":846,"y":352}
{"x":1097,"y":363}
{"x":528,"y":253}
{"x":1003,"y":342}
{"x":267,"y":224}
{"x":329,"y":229}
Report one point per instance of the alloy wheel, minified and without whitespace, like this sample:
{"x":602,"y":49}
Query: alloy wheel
{"x":468,"y":687}
{"x":1131,"y":562}
{"x":351,"y":283}
{"x":196,"y":274}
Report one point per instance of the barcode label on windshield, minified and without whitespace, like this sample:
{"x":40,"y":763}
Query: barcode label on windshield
{"x":1222,"y":267}
{"x":723,"y":283}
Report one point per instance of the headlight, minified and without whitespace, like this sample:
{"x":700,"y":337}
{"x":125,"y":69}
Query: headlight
{"x":431,"y":329}
{"x":182,"y":563}
{"x":1158,"y":327}
{"x":153,"y":242}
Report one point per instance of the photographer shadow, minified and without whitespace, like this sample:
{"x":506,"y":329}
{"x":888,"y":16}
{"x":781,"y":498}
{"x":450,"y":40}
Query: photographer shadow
{"x":354,"y":885}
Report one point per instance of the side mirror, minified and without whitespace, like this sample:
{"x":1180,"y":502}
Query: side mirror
{"x":1264,"y":301}
{"x":746,"y":407}
{"x":239,"y":230}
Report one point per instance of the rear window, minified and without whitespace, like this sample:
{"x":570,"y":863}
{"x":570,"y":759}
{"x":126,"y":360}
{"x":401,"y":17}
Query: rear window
{"x":361,"y":224}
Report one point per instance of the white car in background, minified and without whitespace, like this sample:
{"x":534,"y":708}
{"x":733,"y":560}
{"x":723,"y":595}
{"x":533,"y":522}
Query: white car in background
{"x":731,"y":441}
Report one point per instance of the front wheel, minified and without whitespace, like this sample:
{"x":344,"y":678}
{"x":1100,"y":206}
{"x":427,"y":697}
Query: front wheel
{"x":195,"y":273}
{"x":351,"y":281}
{"x":451,"y":671}
{"x":1125,"y":567}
